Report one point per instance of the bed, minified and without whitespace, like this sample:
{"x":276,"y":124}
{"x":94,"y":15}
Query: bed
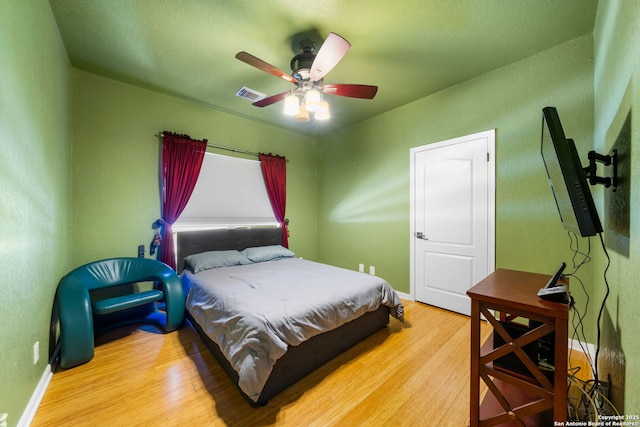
{"x":268,"y":317}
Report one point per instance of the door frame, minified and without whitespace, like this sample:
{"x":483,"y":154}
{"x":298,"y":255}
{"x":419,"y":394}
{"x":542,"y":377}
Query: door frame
{"x":491,"y":203}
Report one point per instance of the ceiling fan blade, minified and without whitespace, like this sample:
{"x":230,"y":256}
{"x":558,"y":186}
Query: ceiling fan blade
{"x":330,"y":53}
{"x":351,"y":91}
{"x":271,"y":99}
{"x":261,"y":65}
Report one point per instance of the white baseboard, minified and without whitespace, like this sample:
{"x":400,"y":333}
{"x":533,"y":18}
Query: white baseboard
{"x":583,"y":347}
{"x":404,"y":296}
{"x":30,"y":411}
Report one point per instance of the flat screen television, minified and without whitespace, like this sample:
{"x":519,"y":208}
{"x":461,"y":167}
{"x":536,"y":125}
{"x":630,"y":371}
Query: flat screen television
{"x":567,"y":178}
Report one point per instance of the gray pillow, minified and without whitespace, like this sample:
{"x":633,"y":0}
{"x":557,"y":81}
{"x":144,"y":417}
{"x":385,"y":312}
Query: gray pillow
{"x":267,"y":253}
{"x":216,"y":259}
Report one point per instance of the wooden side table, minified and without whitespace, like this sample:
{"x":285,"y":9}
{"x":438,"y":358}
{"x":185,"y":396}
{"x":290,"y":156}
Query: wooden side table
{"x":514,"y":399}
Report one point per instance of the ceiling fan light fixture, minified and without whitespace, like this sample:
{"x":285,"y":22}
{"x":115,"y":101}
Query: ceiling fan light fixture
{"x":323,"y":112}
{"x":312,"y":100}
{"x":308,"y":72}
{"x":303,"y":115}
{"x":291,"y":105}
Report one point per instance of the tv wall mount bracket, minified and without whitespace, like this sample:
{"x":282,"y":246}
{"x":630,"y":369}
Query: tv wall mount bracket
{"x":607,"y":160}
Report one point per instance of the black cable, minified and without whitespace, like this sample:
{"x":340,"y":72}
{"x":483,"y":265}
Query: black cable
{"x":582,"y":402}
{"x":579,"y":336}
{"x":578,"y":326}
{"x":586,"y":257}
{"x":604,"y":300}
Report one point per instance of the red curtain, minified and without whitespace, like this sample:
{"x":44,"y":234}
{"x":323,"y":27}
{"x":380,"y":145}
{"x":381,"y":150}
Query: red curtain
{"x":181,"y":162}
{"x":274,"y":171}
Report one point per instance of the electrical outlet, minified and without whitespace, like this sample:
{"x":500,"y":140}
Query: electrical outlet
{"x":361,"y":268}
{"x":36,"y":352}
{"x":372,"y":270}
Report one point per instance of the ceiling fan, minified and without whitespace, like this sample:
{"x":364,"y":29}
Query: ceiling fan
{"x":308,"y":71}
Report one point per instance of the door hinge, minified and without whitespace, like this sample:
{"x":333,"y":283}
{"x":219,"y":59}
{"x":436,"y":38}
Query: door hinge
{"x":487,"y":157}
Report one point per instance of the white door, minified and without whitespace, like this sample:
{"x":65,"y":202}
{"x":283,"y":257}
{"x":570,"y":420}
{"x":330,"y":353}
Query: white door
{"x":452,"y":224}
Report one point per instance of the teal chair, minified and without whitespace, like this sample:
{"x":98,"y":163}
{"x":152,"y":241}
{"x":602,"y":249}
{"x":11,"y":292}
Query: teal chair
{"x":77,"y":312}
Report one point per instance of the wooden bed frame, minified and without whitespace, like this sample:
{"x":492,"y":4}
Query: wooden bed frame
{"x":299,"y":360}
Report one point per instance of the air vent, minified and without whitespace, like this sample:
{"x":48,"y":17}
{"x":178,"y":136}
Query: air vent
{"x":250,"y":94}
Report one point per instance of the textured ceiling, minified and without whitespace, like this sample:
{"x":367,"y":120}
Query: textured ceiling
{"x":409,"y":48}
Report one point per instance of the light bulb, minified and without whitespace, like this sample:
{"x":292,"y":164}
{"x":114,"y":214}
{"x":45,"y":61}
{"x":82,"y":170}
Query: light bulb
{"x":312,"y":100}
{"x":323,"y":111}
{"x":303,"y":115}
{"x":291,"y":105}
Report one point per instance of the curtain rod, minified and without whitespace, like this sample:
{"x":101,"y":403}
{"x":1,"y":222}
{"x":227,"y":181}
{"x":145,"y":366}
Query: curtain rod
{"x":235,"y":150}
{"x":222,"y":147}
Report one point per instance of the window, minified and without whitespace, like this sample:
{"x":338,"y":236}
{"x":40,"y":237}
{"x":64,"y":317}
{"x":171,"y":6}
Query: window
{"x":230,"y":192}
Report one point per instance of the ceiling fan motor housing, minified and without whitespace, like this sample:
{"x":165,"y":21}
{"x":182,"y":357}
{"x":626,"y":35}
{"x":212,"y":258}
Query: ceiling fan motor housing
{"x":301,"y":63}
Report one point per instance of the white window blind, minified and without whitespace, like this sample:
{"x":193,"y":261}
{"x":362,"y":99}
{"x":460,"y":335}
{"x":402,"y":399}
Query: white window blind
{"x":230,"y":192}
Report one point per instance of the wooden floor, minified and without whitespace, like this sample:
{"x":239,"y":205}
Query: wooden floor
{"x":412,"y":374}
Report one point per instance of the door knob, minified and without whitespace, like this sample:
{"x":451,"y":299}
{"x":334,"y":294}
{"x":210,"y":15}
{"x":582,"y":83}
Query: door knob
{"x":420,"y":235}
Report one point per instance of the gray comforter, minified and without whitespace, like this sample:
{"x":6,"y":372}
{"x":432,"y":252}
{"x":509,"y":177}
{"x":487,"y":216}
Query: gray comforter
{"x":255,"y":312}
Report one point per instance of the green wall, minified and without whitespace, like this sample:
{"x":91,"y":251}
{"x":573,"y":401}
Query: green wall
{"x":115,"y":164}
{"x":617,"y":92}
{"x":348,"y":193}
{"x":364,"y":171}
{"x":35,"y":192}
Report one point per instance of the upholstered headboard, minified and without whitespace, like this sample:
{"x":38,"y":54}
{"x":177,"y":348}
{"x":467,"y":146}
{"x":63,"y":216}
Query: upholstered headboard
{"x":194,"y":242}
